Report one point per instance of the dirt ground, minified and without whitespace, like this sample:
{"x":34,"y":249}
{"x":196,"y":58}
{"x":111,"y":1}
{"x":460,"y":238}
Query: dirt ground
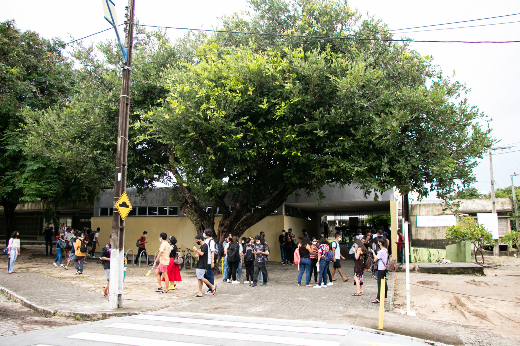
{"x":491,"y":301}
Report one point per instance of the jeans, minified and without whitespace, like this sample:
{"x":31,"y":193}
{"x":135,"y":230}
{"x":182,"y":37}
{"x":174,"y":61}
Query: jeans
{"x":93,"y":250}
{"x":48,"y":245}
{"x":250,"y":269}
{"x":314,"y":268}
{"x":324,"y":267}
{"x":145,"y":255}
{"x":209,"y":275}
{"x":260,"y":277}
{"x":260,"y":267}
{"x":58,"y":256}
{"x":232,"y":272}
{"x":78,"y":263}
{"x":226,"y":269}
{"x":13,"y":254}
{"x":282,"y":252}
{"x":380,"y":275}
{"x":400,"y":254}
{"x":239,"y":274}
{"x":305,"y":266}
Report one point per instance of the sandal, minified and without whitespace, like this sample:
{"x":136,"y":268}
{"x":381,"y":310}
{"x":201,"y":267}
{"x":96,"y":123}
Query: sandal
{"x":159,"y":290}
{"x":197,"y":296}
{"x":214,"y":290}
{"x":345,"y":280}
{"x":375,"y":301}
{"x":357,"y":294}
{"x":163,"y":292}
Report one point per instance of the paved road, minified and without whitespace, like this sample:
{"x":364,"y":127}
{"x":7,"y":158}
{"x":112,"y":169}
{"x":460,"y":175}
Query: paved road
{"x":171,"y":329}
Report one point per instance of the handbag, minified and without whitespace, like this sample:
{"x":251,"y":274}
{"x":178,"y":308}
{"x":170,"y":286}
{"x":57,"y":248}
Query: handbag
{"x":5,"y":250}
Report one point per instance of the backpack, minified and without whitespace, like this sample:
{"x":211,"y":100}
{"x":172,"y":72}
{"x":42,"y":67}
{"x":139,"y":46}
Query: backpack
{"x":329,"y":257}
{"x":368,"y":263}
{"x":83,"y":246}
{"x":233,"y":253}
{"x":378,"y":248}
{"x":220,"y":249}
{"x":297,"y":256}
{"x":392,"y":264}
{"x":137,"y":242}
{"x":60,"y":244}
{"x":249,"y":256}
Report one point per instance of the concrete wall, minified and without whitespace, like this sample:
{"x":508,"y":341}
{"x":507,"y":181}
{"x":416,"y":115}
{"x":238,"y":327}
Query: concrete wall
{"x":425,"y":255}
{"x":460,"y":252}
{"x":350,"y":193}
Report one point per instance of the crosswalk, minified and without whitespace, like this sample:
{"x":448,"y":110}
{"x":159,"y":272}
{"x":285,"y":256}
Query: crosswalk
{"x":163,"y":328}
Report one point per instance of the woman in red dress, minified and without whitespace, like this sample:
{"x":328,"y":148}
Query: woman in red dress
{"x":174,"y":274}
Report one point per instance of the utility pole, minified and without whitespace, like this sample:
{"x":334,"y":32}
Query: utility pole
{"x":118,"y":226}
{"x":515,"y":203}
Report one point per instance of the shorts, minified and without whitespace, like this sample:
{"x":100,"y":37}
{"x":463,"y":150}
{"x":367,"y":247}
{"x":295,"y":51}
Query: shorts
{"x":337,"y":264}
{"x":163,"y":268}
{"x":107,"y":274}
{"x":200,"y":273}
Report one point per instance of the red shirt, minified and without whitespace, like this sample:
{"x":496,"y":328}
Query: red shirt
{"x":141,"y":242}
{"x":400,"y":243}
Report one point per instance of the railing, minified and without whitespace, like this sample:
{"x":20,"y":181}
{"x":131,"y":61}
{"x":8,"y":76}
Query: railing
{"x":133,"y":256}
{"x":141,"y":255}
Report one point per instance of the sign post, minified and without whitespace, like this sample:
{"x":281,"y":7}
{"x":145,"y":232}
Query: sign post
{"x":121,"y":205}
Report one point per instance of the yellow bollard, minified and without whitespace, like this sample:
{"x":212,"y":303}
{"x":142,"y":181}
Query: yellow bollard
{"x":382,"y":304}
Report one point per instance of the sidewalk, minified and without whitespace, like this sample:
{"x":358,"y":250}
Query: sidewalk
{"x":73,"y":296}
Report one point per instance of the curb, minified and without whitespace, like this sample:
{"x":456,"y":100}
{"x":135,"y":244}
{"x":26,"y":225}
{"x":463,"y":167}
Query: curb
{"x":62,"y":313}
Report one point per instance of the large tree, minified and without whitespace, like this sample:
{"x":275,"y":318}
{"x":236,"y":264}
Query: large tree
{"x":33,"y":73}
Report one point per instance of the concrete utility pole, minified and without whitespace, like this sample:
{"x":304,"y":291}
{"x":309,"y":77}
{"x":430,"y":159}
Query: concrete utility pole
{"x":515,"y":203}
{"x":118,"y":225}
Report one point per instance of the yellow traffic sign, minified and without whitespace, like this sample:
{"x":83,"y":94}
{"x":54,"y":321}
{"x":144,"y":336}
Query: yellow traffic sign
{"x":123,"y":206}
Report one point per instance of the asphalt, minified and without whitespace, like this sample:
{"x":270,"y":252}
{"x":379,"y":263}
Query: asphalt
{"x":280,"y":299}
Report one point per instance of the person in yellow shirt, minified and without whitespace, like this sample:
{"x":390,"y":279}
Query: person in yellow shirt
{"x":80,"y":255}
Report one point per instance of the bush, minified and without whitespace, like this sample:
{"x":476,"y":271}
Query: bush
{"x":468,"y":229}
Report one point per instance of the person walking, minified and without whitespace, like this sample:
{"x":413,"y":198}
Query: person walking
{"x":80,"y":251}
{"x":202,"y":254}
{"x":174,"y":273}
{"x":382,"y":260}
{"x":13,"y":250}
{"x":314,"y":259}
{"x":249,"y":261}
{"x":233,"y":252}
{"x":72,"y":254}
{"x":305,"y":250}
{"x":281,"y":240}
{"x":323,"y":264}
{"x":68,"y":245}
{"x":336,"y":252}
{"x":105,"y":262}
{"x":163,"y":257}
{"x":48,"y":234}
{"x":60,"y":246}
{"x":261,"y":252}
{"x":212,"y":251}
{"x":94,"y":241}
{"x":141,"y":245}
{"x":359,"y":266}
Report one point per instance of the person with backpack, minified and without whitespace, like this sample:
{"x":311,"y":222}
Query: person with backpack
{"x":105,"y":262}
{"x":261,"y":252}
{"x":305,"y":250}
{"x":359,"y":266}
{"x":80,"y":251}
{"x":60,"y":245}
{"x":324,"y":258}
{"x":212,"y":257}
{"x":202,"y":254}
{"x":233,"y":252}
{"x":382,"y":261}
{"x":249,"y":261}
{"x":337,"y":258}
{"x":141,"y":245}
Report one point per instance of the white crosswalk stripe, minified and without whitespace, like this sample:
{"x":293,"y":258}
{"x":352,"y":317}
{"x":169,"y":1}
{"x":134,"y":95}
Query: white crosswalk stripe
{"x":128,"y":340}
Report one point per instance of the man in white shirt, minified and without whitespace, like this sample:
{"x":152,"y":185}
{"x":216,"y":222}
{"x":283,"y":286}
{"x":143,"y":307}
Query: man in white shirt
{"x":337,"y":257}
{"x":212,"y":247}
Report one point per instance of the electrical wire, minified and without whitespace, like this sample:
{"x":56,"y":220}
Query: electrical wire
{"x":459,"y":27}
{"x":459,"y":22}
{"x":507,"y":152}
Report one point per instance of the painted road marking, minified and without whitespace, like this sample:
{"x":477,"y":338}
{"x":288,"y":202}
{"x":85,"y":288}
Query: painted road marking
{"x":128,"y":340}
{"x":248,"y":325}
{"x":225,"y":335}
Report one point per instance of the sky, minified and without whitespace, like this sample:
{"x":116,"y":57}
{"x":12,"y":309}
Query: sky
{"x":491,"y":71}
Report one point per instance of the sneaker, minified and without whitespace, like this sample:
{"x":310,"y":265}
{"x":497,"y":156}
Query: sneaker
{"x":228,"y":281}
{"x":316,"y":286}
{"x":253,"y":285}
{"x":330,"y":284}
{"x":209,"y":292}
{"x":235,"y":282}
{"x":54,"y":264}
{"x":172,"y":287}
{"x":265,"y":284}
{"x":246,"y":282}
{"x":62,"y":265}
{"x":323,"y":285}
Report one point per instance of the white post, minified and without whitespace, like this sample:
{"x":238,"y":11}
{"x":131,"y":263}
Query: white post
{"x":407,"y":268}
{"x":117,"y":266}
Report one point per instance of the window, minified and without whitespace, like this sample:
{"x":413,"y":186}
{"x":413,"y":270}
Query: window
{"x":106,"y":212}
{"x":162,"y":211}
{"x":172,"y":211}
{"x":142,"y":211}
{"x":152,"y":211}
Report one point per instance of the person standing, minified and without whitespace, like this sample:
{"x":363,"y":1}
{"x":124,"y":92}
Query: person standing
{"x":226,"y":264}
{"x":141,"y":244}
{"x":80,"y":251}
{"x":281,"y":240}
{"x":212,"y":248}
{"x":202,"y":254}
{"x":314,"y":260}
{"x":400,"y":246}
{"x":359,"y":266}
{"x":305,"y":250}
{"x":163,"y":257}
{"x":249,"y":261}
{"x":233,"y":253}
{"x":48,"y":233}
{"x":289,"y":250}
{"x":382,"y":260}
{"x":72,"y":254}
{"x":68,"y":246}
{"x":94,"y":239}
{"x":261,"y":252}
{"x":336,"y":252}
{"x":105,"y":261}
{"x":60,"y":245}
{"x":174,"y":274}
{"x":13,"y":250}
{"x":322,"y":263}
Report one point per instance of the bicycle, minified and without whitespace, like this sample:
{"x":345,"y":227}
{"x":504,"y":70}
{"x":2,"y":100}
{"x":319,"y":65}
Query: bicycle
{"x":187,"y":258}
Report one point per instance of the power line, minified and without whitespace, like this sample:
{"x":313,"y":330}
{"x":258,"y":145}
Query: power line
{"x":324,"y":37}
{"x":507,"y":152}
{"x":462,"y":21}
{"x":459,"y":27}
